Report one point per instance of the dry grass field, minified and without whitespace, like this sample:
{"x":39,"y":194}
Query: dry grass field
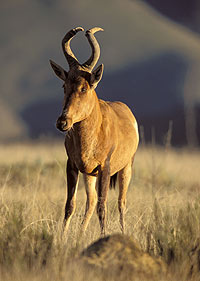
{"x":163,"y":214}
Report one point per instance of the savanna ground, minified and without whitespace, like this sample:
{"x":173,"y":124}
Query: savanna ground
{"x":163,"y":212}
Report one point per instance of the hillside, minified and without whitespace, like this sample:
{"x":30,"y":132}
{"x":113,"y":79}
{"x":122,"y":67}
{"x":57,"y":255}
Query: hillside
{"x":145,"y":51}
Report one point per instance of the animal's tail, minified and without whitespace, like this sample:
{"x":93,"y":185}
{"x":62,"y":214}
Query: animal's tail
{"x":113,"y":180}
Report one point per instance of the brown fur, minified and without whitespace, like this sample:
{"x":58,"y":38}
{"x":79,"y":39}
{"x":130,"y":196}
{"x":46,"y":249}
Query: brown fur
{"x":101,"y":140}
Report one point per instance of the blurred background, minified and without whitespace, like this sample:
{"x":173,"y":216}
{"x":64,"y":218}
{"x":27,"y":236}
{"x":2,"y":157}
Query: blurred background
{"x":151,"y":53}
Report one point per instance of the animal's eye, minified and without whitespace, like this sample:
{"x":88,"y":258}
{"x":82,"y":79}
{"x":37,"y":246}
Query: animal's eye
{"x":83,"y":89}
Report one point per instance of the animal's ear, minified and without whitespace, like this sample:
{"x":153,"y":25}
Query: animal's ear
{"x":59,"y":71}
{"x":96,"y":76}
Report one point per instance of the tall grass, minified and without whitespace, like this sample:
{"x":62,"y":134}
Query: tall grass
{"x":163,"y":212}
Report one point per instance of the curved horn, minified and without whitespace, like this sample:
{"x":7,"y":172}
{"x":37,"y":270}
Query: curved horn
{"x":91,"y":62}
{"x":71,"y":59}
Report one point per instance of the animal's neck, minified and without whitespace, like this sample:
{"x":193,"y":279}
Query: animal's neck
{"x":91,"y":125}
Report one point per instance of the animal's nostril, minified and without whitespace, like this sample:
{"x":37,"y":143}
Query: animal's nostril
{"x":60,"y":119}
{"x":61,"y":122}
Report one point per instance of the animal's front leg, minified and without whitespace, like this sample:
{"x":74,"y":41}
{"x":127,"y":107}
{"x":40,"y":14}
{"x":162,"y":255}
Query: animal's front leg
{"x":90,"y":185}
{"x":72,"y":183}
{"x":103,"y":186}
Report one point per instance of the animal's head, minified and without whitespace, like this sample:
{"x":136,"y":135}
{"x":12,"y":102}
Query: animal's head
{"x":79,"y":82}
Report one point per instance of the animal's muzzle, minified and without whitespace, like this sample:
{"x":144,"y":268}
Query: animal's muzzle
{"x":63,"y":124}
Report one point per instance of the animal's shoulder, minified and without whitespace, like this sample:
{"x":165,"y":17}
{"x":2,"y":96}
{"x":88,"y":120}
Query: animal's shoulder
{"x":117,"y":107}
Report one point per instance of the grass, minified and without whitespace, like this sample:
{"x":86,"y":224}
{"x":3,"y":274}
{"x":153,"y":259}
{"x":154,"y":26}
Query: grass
{"x":163,"y":212}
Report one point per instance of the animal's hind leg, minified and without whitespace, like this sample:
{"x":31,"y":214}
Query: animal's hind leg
{"x":90,"y":185}
{"x":124,"y":180}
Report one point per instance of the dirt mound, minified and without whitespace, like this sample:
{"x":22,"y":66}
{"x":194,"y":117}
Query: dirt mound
{"x":120,"y":255}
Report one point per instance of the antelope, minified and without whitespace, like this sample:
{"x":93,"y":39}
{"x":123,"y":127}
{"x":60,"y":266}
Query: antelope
{"x":101,"y":136}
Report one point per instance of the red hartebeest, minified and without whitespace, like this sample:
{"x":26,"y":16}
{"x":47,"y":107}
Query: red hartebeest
{"x":101,"y":137}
